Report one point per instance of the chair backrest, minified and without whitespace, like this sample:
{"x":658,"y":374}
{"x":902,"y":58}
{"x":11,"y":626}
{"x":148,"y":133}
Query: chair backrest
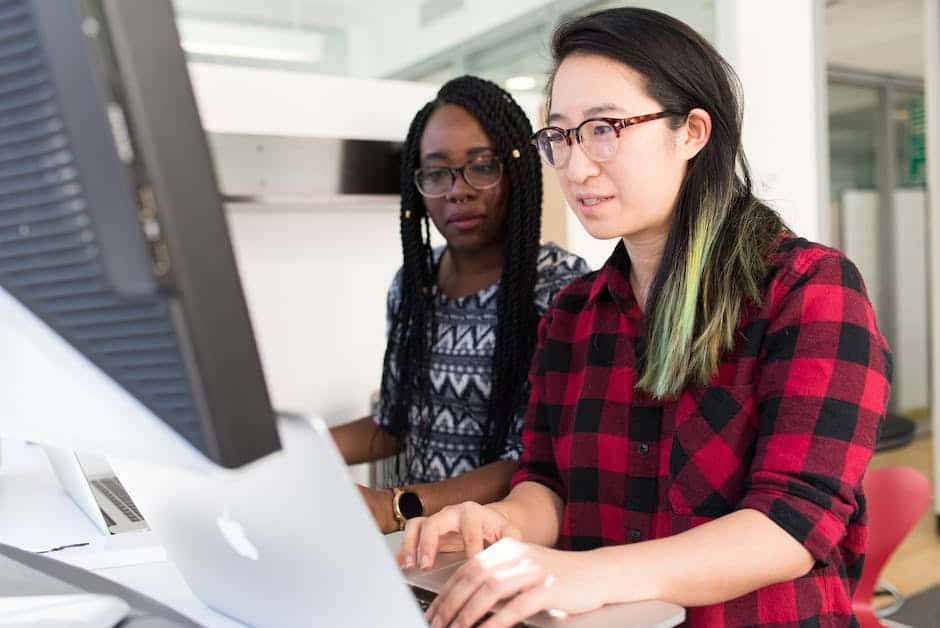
{"x":896,"y":498}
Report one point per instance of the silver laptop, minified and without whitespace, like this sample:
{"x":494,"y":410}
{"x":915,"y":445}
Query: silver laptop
{"x":96,"y":490}
{"x":287,"y":541}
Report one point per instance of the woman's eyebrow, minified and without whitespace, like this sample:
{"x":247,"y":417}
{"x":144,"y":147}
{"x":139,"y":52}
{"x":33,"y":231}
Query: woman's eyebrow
{"x":442,"y":156}
{"x":590,"y":112}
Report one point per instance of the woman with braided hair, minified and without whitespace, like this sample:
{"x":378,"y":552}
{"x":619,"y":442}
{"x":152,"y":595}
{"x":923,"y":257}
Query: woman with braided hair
{"x":462,"y":318}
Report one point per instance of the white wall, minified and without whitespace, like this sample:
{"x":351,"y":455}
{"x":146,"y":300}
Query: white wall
{"x":911,"y":382}
{"x":594,"y":251}
{"x":860,"y":241}
{"x":777,"y":49}
{"x":860,"y":238}
{"x":280,"y":102}
{"x":315,"y":281}
{"x":315,"y":276}
{"x":932,"y":109}
{"x":402,"y":41}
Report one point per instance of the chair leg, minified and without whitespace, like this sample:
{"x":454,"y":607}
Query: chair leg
{"x":887,"y":588}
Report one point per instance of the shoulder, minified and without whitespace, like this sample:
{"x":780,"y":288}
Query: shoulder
{"x":393,"y":298}
{"x":796,"y":263}
{"x":394,"y":288}
{"x":556,"y":268}
{"x":554,"y":260}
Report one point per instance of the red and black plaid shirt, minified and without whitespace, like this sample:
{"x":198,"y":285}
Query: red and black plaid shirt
{"x":787,"y":427}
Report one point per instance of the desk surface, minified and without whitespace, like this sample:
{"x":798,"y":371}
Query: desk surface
{"x":38,"y":515}
{"x":46,"y":518}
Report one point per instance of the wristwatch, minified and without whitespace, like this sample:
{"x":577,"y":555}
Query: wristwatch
{"x":405,"y":505}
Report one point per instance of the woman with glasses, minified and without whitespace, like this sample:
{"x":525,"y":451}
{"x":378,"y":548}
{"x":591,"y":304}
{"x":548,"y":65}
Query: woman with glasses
{"x":462,"y":318}
{"x":704,"y":406}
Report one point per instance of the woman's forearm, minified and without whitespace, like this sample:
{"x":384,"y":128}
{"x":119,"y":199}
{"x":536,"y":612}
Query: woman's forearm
{"x":482,"y":485}
{"x":712,"y":563}
{"x":535,"y":510}
{"x":363,"y":440}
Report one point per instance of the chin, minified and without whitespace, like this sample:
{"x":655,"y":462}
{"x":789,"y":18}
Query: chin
{"x":605,"y":234}
{"x":468,"y":242}
{"x":600,"y":229}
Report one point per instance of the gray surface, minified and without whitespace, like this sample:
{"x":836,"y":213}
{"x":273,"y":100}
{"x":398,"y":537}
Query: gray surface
{"x":210,"y":314}
{"x":24,"y":573}
{"x":921,"y":610}
{"x":175,"y":333}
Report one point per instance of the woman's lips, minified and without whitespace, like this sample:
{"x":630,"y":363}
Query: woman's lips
{"x":593,"y":204}
{"x":465,"y":222}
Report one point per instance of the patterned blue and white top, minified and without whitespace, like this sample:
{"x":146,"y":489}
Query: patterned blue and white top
{"x":461,"y":362}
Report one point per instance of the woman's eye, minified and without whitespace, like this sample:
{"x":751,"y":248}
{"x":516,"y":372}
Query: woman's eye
{"x":435,"y":175}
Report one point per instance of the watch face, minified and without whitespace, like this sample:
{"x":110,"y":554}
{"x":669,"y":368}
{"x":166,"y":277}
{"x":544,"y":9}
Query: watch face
{"x":410,"y":505}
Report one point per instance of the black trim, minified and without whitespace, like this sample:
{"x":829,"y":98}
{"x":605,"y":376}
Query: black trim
{"x":409,"y":505}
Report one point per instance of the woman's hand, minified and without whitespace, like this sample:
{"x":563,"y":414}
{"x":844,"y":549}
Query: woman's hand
{"x":466,"y":527}
{"x":530,"y":578}
{"x":379,"y":502}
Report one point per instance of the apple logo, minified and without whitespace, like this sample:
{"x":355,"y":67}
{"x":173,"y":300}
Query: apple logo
{"x":234,"y":533}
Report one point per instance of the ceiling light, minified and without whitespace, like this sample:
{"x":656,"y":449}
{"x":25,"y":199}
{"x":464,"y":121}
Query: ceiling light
{"x":247,"y":52}
{"x":520,"y":83}
{"x":246,"y":41}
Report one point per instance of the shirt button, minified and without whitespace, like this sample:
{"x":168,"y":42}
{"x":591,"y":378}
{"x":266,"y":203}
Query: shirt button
{"x":644,"y":448}
{"x":635,"y":535}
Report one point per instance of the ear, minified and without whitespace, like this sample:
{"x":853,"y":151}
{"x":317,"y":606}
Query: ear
{"x":695,"y":133}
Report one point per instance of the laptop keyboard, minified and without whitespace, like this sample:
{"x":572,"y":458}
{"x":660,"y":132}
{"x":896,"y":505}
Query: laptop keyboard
{"x":114,"y":491}
{"x":425,"y":598}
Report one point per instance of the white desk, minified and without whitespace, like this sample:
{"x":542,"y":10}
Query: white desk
{"x":36,"y":514}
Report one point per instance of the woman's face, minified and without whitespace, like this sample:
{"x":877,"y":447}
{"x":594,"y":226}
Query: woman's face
{"x":469,"y":219}
{"x":633,"y":194}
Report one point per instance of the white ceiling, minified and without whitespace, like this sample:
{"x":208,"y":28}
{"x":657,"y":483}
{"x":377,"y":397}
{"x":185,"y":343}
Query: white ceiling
{"x":294,"y":13}
{"x":884,"y":36}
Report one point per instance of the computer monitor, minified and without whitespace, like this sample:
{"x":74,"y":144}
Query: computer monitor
{"x":119,"y":295}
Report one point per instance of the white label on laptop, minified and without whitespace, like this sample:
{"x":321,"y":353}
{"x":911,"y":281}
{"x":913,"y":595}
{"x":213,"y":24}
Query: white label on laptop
{"x":234,"y":533}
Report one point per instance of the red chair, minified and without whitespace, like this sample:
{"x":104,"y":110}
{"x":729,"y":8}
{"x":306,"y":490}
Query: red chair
{"x":896,"y":498}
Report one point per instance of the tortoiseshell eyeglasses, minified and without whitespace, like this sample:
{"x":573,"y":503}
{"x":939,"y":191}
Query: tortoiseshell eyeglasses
{"x":596,"y":136}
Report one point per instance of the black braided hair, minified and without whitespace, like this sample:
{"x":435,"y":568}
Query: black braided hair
{"x":413,"y":326}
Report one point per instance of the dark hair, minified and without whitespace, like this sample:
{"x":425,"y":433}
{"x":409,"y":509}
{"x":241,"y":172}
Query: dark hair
{"x":717,"y":252}
{"x":413,"y":327}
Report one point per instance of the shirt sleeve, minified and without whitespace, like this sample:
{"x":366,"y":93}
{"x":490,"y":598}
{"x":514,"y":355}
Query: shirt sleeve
{"x":556,"y":270}
{"x":382,"y":408}
{"x":537,"y":462}
{"x":513,"y":448}
{"x":823,"y":383}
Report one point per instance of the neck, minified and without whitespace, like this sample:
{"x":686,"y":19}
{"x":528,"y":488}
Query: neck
{"x":646,"y":253}
{"x":477,"y":262}
{"x":466,"y":272}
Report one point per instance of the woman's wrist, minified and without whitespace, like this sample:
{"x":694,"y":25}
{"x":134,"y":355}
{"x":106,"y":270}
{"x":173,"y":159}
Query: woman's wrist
{"x":506,"y":510}
{"x":387,"y":523}
{"x":626,"y":573}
